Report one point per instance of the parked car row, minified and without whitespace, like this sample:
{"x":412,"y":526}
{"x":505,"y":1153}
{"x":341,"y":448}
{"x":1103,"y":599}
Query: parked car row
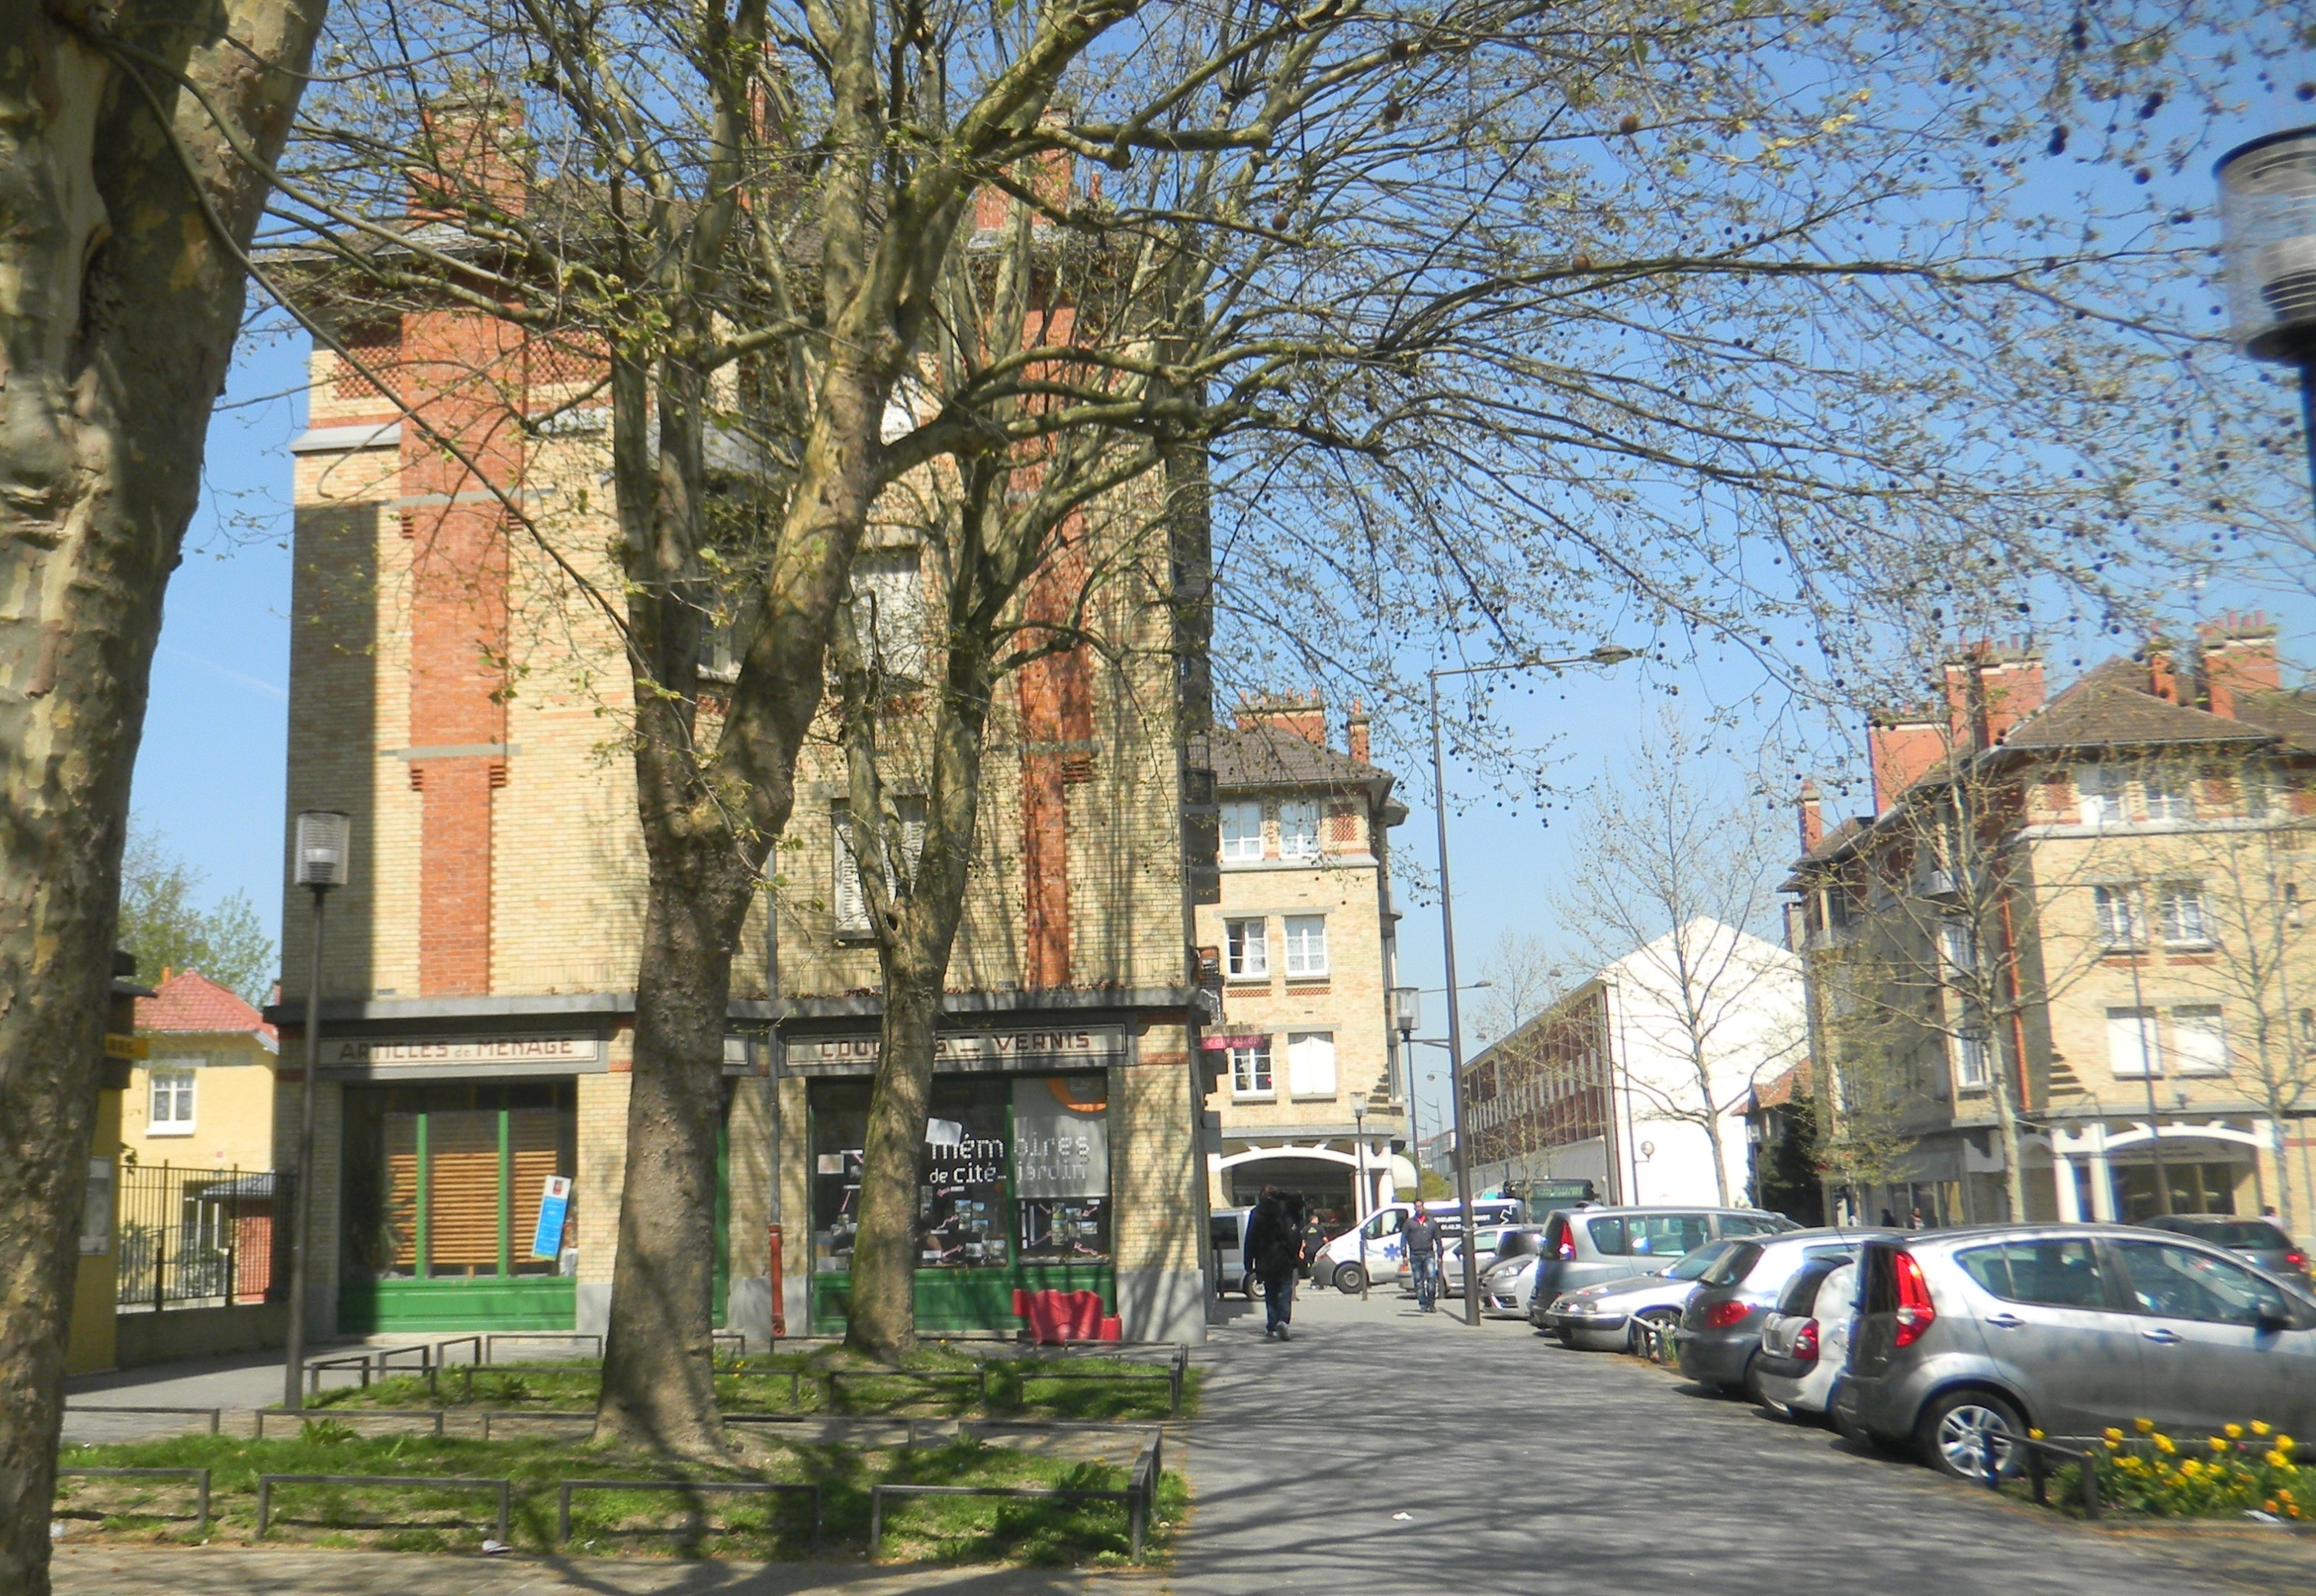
{"x":1954,"y":1342}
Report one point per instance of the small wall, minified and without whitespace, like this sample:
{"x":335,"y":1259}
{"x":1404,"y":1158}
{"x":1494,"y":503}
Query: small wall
{"x":177,"y":1333}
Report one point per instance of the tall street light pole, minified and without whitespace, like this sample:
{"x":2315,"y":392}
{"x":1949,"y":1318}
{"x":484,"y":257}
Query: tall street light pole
{"x":320,"y":865}
{"x":1608,"y":654}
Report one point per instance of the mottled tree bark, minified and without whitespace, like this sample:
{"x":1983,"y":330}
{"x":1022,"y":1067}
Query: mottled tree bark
{"x":121,"y":290}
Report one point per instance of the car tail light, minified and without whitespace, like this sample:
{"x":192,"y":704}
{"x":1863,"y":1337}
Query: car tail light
{"x":1721,"y":1316}
{"x":1915,"y":1312}
{"x":1567,"y":1248}
{"x":2296,"y":1259}
{"x":1805,"y":1343}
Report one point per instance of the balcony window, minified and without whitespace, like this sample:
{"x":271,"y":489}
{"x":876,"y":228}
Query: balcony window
{"x":1242,"y":832}
{"x":1246,"y":949}
{"x":2131,"y":1044}
{"x":1307,"y":946}
{"x":1311,"y":1064}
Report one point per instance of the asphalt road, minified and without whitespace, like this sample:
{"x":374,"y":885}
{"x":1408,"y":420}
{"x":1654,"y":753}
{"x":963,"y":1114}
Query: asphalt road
{"x":1523,"y":1468}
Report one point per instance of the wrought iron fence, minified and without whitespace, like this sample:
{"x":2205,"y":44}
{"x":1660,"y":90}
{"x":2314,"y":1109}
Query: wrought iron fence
{"x":202,"y":1238}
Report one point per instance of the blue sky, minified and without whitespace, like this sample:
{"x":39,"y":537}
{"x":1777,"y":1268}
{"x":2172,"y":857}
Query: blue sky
{"x":209,"y":775}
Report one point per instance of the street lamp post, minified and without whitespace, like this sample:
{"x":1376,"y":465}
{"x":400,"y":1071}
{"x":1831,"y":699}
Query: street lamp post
{"x":320,"y":864}
{"x":1362,"y":1206}
{"x":2267,"y":225}
{"x":1608,"y":654}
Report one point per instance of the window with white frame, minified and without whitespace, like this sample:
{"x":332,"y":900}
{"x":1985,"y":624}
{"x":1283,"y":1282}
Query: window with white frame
{"x":2099,"y":794}
{"x":2119,"y":923}
{"x":172,"y":1098}
{"x":2199,"y":1039}
{"x":1246,"y":949}
{"x":846,"y":898}
{"x":2170,"y":792}
{"x":2131,"y":1043}
{"x":2180,"y":914}
{"x":1959,"y":946}
{"x":1307,"y":946}
{"x":889,"y":607}
{"x":1970,"y":1062}
{"x":1298,"y":829}
{"x":1311,"y":1064}
{"x":1241,"y":831}
{"x":1250,"y":1067}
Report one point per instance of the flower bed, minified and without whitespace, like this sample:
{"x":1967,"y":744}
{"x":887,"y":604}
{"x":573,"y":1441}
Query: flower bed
{"x":2247,"y":1470}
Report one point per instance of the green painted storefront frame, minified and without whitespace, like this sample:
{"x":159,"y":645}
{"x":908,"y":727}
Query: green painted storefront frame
{"x":505,"y":1300}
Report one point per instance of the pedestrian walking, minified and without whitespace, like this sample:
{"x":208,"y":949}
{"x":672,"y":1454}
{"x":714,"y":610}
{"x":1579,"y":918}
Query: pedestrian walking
{"x":1274,"y":1241}
{"x":1422,"y":1237}
{"x":1315,"y":1238}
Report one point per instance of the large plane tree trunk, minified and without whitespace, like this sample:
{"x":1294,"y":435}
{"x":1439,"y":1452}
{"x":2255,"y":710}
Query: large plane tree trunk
{"x":121,"y":292}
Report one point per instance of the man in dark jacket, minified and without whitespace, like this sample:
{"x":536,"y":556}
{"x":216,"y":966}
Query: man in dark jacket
{"x":1274,"y":1244}
{"x":1422,"y":1237}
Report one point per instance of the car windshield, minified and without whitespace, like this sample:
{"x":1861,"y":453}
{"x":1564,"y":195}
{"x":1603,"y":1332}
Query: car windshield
{"x":1693,"y":1267}
{"x":1518,"y":1243}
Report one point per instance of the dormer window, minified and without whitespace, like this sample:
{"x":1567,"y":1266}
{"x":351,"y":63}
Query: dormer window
{"x":1242,"y":832}
{"x":1298,"y":829}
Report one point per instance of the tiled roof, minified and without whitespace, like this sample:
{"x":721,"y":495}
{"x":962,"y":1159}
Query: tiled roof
{"x":2108,"y":708}
{"x":1268,"y":756}
{"x":190,"y":1003}
{"x":2291,"y":715}
{"x":1779,"y":1090}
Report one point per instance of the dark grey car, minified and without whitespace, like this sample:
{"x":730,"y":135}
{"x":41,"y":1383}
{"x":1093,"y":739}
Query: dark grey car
{"x":2261,"y":1242}
{"x":1720,"y":1333}
{"x":1964,"y":1338}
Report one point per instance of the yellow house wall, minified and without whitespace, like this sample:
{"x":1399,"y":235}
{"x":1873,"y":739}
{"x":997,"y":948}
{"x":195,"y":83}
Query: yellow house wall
{"x":96,"y":1284}
{"x":233,"y":1103}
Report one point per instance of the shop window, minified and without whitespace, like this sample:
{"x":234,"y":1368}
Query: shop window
{"x":1246,"y":949}
{"x":451,"y":1179}
{"x":1012,"y":1169}
{"x":1307,"y":946}
{"x":1311,"y":1064}
{"x":1241,"y":831}
{"x":1298,"y":829}
{"x":173,"y":1100}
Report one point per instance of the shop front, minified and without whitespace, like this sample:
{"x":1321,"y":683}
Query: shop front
{"x":1013,"y":1178}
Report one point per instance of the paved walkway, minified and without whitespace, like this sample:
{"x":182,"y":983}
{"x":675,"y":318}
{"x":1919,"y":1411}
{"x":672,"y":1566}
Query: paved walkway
{"x":1385,"y":1452}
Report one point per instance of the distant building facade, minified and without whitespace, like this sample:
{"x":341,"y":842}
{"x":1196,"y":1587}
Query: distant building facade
{"x":1604,"y":1085}
{"x":2135,"y":852}
{"x":203,"y":1093}
{"x":1303,"y":936}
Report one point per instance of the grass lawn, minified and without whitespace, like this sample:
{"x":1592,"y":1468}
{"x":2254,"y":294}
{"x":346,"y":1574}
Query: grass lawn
{"x":612,"y":1522}
{"x":764,"y":1384}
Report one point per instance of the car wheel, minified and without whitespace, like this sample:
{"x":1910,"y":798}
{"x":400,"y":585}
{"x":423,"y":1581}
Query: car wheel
{"x":1348,"y":1279}
{"x":1960,"y":1428}
{"x":1663,"y":1319}
{"x":1251,"y":1288}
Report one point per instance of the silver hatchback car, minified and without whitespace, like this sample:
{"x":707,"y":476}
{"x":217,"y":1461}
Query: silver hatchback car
{"x":1964,"y":1338}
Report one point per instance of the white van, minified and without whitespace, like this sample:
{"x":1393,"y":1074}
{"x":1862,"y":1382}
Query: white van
{"x":1337,"y":1265}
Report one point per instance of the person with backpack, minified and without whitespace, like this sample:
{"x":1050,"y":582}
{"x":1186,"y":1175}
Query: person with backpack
{"x":1274,"y":1245}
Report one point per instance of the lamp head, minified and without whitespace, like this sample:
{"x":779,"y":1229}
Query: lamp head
{"x":1612,"y":654}
{"x":320,"y":853}
{"x":2267,"y":228}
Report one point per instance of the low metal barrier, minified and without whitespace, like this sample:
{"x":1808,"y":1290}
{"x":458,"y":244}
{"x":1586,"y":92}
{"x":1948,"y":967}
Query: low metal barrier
{"x":210,"y":1414}
{"x":760,"y":1487}
{"x":490,"y":1342}
{"x":200,"y":1477}
{"x":2038,"y":1455}
{"x":1174,"y":1371}
{"x":333,"y":1415}
{"x":979,"y":1376}
{"x":503,"y":1414}
{"x":504,"y":1488}
{"x":1140,"y":1495}
{"x":1653,"y":1340}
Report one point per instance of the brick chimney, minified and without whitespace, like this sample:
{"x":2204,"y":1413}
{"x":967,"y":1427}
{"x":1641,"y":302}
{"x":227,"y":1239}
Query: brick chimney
{"x":1811,"y":817}
{"x":1902,"y":746}
{"x":2238,"y":659}
{"x":1355,"y":733}
{"x":1990,"y":690}
{"x":469,"y":155}
{"x":1290,"y":712}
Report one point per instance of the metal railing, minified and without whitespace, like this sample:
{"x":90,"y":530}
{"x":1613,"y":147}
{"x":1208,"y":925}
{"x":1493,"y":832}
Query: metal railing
{"x":1140,"y":1496}
{"x":2039,"y":1455}
{"x":201,"y":1237}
